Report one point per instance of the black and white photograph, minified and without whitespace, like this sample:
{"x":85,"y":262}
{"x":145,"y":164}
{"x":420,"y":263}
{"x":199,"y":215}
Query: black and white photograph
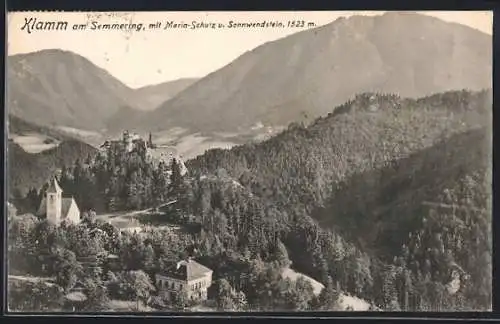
{"x":180,"y":162}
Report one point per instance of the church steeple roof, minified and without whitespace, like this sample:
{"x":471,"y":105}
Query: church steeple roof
{"x":54,"y":187}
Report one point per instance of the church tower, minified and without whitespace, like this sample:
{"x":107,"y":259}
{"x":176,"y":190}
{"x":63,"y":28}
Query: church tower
{"x":54,"y":202}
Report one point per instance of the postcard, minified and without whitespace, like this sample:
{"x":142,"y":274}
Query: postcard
{"x":293,"y":161}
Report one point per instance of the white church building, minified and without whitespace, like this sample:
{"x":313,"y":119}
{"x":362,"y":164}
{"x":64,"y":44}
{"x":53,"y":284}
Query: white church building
{"x":56,"y":208}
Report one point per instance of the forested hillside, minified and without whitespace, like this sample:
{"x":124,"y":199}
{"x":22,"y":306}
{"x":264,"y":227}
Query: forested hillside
{"x":380,"y":207}
{"x":305,"y":164}
{"x":19,"y":126}
{"x":366,"y":172}
{"x":27,"y":170}
{"x":385,"y":198}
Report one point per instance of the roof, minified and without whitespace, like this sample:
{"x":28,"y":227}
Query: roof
{"x":54,"y":187}
{"x":65,"y":206}
{"x":187,"y":270}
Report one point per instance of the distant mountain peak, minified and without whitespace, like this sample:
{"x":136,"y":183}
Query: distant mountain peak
{"x":60,"y":87}
{"x":314,"y":70}
{"x":49,"y":52}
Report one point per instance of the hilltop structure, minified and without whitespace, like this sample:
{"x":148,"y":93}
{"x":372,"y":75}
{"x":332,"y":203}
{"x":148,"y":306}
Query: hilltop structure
{"x":186,"y":276}
{"x":129,"y":142}
{"x":132,"y":142}
{"x":56,"y":208}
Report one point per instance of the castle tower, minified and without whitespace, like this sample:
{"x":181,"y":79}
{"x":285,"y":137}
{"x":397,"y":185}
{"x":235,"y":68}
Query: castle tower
{"x":126,"y":135}
{"x":54,"y":202}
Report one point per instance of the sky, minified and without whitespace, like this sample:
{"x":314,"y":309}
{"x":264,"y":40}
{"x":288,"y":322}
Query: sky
{"x":152,"y":56}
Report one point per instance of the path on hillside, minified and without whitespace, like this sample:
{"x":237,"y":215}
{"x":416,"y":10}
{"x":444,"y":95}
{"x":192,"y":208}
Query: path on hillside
{"x":46,"y":280}
{"x":346,"y":301}
{"x":110,"y":216}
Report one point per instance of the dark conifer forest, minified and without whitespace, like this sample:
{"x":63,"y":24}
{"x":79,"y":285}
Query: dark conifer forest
{"x":385,"y":198}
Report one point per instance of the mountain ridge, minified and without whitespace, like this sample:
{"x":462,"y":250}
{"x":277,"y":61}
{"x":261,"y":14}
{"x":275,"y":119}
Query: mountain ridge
{"x":168,"y":89}
{"x":28,"y":170}
{"x":59,"y":87}
{"x":281,"y":81}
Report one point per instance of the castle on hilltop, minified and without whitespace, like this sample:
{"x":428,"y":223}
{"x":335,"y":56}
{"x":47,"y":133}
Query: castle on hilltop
{"x":132,"y":142}
{"x":129,"y":141}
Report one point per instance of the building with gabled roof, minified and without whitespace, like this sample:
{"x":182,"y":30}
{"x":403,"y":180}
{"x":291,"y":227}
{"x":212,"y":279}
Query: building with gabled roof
{"x":186,"y":276}
{"x":55,"y":208}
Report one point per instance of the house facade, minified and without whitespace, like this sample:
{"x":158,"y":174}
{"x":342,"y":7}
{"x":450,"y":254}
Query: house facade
{"x":57,"y":208}
{"x":187,"y":276}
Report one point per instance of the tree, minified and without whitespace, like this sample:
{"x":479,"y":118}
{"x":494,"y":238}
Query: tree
{"x":240,"y":301}
{"x":33,"y":200}
{"x":179,"y":189}
{"x":281,"y":255}
{"x":43,"y":240}
{"x":133,"y":197}
{"x":66,"y":268}
{"x":180,"y":300}
{"x":225,"y":296}
{"x":393,"y":306}
{"x":389,"y":289}
{"x":160,"y":184}
{"x":116,"y":285}
{"x":148,"y":262}
{"x":89,"y":218}
{"x":43,"y":190}
{"x":300,"y":295}
{"x":21,"y":247}
{"x":175,"y":178}
{"x":97,"y":295}
{"x":140,"y":285}
{"x":328,"y":298}
{"x":41,"y":296}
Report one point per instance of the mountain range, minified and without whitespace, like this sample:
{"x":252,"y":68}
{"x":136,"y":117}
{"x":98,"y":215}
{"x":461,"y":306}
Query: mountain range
{"x":296,"y":78}
{"x":60,"y":88}
{"x":61,"y":96}
{"x":307,"y":74}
